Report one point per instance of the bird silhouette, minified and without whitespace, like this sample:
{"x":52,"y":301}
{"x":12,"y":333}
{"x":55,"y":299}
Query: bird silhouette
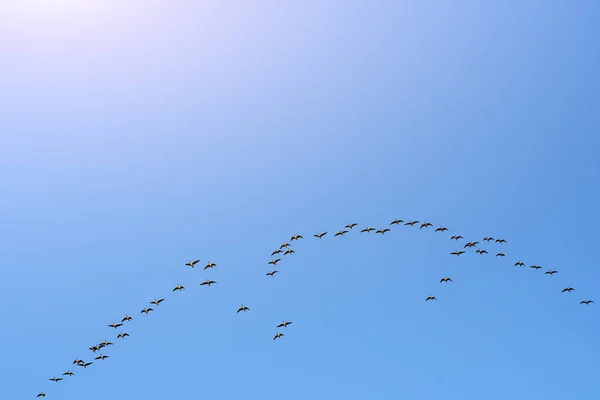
{"x":55,"y":379}
{"x":69,"y":373}
{"x":551,"y":272}
{"x":430,"y":298}
{"x":272,"y":273}
{"x":296,"y":237}
{"x":458,"y":253}
{"x":456,"y":237}
{"x":535,"y":267}
{"x":146,"y":310}
{"x":278,"y":251}
{"x":396,"y":222}
{"x":101,"y":357}
{"x":350,"y":226}
{"x":243,"y":308}
{"x":480,"y":251}
{"x":500,"y":241}
{"x":207,"y":282}
{"x":425,"y":225}
{"x":178,"y":287}
{"x":192,"y":263}
{"x":520,"y":264}
{"x":284,"y":245}
{"x":127,"y":318}
{"x":441,"y":229}
{"x":411,"y":223}
{"x":288,"y":251}
{"x":368,"y":229}
{"x":157,"y":302}
{"x":122,"y":335}
{"x":382,"y":231}
{"x":284,"y":324}
{"x":274,"y":262}
{"x":487,"y":239}
{"x":320,"y":235}
{"x":586,"y":302}
{"x":113,"y":325}
{"x":210,"y":265}
{"x":567,"y":289}
{"x":500,"y":255}
{"x":445,"y":280}
{"x":340,"y":233}
{"x":278,"y":335}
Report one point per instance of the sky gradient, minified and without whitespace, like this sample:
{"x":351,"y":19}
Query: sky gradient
{"x":136,"y":136}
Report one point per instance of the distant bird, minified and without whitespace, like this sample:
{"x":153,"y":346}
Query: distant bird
{"x":458,"y":253}
{"x":411,"y":223}
{"x":85,"y":365}
{"x":480,"y":251}
{"x":500,"y":255}
{"x":101,"y":345}
{"x":396,"y":222}
{"x":55,"y":379}
{"x":350,"y":226}
{"x":127,"y":318}
{"x":382,"y":231}
{"x":367,"y":229}
{"x":487,"y":239}
{"x":178,"y":287}
{"x":274,"y":262}
{"x":500,"y":241}
{"x":192,"y":263}
{"x":445,"y":280}
{"x":441,"y":229}
{"x":320,"y":235}
{"x":586,"y":302}
{"x":471,"y":244}
{"x":77,"y":361}
{"x":340,"y":233}
{"x":157,"y":302}
{"x":42,"y":394}
{"x":272,"y":273}
{"x":210,"y":265}
{"x":146,"y":310}
{"x":535,"y":267}
{"x":122,"y":335}
{"x":522,"y":264}
{"x":551,"y":272}
{"x":288,"y":251}
{"x":113,"y":325}
{"x":567,"y":289}
{"x":207,"y":282}
{"x":296,"y":237}
{"x":430,"y":298}
{"x":456,"y":237}
{"x":278,"y":251}
{"x":278,"y":335}
{"x":284,"y":245}
{"x":69,"y":373}
{"x":101,"y":357}
{"x":94,"y":348}
{"x":425,"y":225}
{"x":106,"y":343}
{"x":284,"y":324}
{"x":243,"y":308}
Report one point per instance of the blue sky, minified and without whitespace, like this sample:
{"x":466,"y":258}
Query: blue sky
{"x":137,"y":136}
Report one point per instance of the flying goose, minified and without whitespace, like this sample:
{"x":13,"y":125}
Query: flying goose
{"x":456,"y":237}
{"x":430,"y":298}
{"x":101,"y":357}
{"x":500,"y":255}
{"x":85,"y":365}
{"x":445,"y":280}
{"x":127,"y":318}
{"x":285,"y":245}
{"x":272,"y":273}
{"x":207,"y":282}
{"x":94,"y":348}
{"x":278,"y":251}
{"x":284,"y":324}
{"x":350,"y":226}
{"x":288,"y":251}
{"x":274,"y":262}
{"x":586,"y":302}
{"x":411,"y":223}
{"x":122,"y":335}
{"x":178,"y":287}
{"x":146,"y":310}
{"x":551,"y":272}
{"x":157,"y":302}
{"x":441,"y":229}
{"x":470,"y":244}
{"x":192,"y":263}
{"x":55,"y":379}
{"x":487,"y":239}
{"x":535,"y":267}
{"x":210,"y":265}
{"x":567,"y":289}
{"x":69,"y":373}
{"x":113,"y":325}
{"x":522,"y":264}
{"x":296,"y":237}
{"x":106,"y":343}
{"x":340,"y":233}
{"x":425,"y":225}
{"x":500,"y":241}
{"x":382,"y":231}
{"x":243,"y":308}
{"x":480,"y":251}
{"x":368,"y":229}
{"x":77,"y":361}
{"x":396,"y":222}
{"x":278,"y":335}
{"x":458,"y":253}
{"x":320,"y":235}
{"x":42,"y":394}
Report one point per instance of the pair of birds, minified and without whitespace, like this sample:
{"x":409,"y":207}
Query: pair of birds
{"x":284,"y":324}
{"x":194,"y":262}
{"x":481,"y":251}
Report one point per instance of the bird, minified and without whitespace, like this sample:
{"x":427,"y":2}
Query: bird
{"x":146,"y":310}
{"x":288,"y":251}
{"x":278,"y":335}
{"x":272,"y":273}
{"x":106,"y":343}
{"x":411,"y":223}
{"x":101,"y":357}
{"x":441,"y":229}
{"x":458,"y":253}
{"x":94,"y":348}
{"x":480,"y":251}
{"x":487,"y":239}
{"x":178,"y":287}
{"x":122,"y":335}
{"x":470,"y":244}
{"x":296,"y":237}
{"x":368,"y":229}
{"x":425,"y":225}
{"x":445,"y":280}
{"x":567,"y":289}
{"x":55,"y":379}
{"x":77,"y":361}
{"x":500,"y":255}
{"x":127,"y":318}
{"x":535,"y":267}
{"x":284,"y":324}
{"x":278,"y":251}
{"x":456,"y":237}
{"x":320,"y":235}
{"x":382,"y":231}
{"x":243,"y":308}
{"x":522,"y":264}
{"x":586,"y":302}
{"x":85,"y":365}
{"x":42,"y":394}
{"x":350,"y":226}
{"x":192,"y":263}
{"x":157,"y":302}
{"x":274,"y":262}
{"x":551,"y":272}
{"x":284,"y":245}
{"x":396,"y":222}
{"x":207,"y":282}
{"x":69,"y":373}
{"x":210,"y":265}
{"x":113,"y":325}
{"x":500,"y":241}
{"x":430,"y":298}
{"x":340,"y":233}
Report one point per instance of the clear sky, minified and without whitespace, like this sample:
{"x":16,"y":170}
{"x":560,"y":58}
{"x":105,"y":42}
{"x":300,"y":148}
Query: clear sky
{"x":138,"y":135}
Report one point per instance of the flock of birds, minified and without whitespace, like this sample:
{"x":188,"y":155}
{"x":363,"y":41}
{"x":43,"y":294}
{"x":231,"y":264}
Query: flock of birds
{"x":286,"y":249}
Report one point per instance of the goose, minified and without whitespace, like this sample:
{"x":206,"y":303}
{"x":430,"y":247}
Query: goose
{"x":127,"y":318}
{"x":101,"y":357}
{"x":284,"y":245}
{"x":500,"y":241}
{"x":430,"y":298}
{"x":146,"y":310}
{"x":278,"y":251}
{"x":94,"y":348}
{"x":340,"y":233}
{"x":456,"y":237}
{"x":42,"y":394}
{"x":272,"y":273}
{"x":368,"y":229}
{"x":445,"y":280}
{"x":425,"y":225}
{"x":157,"y":302}
{"x":350,"y":226}
{"x":274,"y":262}
{"x":106,"y":343}
{"x":500,"y":255}
{"x":113,"y":325}
{"x":396,"y":222}
{"x":480,"y":251}
{"x":567,"y":289}
{"x":122,"y":335}
{"x":320,"y":235}
{"x":192,"y":263}
{"x":278,"y":335}
{"x":586,"y":302}
{"x":207,"y":282}
{"x":471,"y":244}
{"x":101,"y":345}
{"x":178,"y":287}
{"x":551,"y":272}
{"x":55,"y":379}
{"x":535,"y":267}
{"x":288,"y":251}
{"x":77,"y":361}
{"x":296,"y":237}
{"x":441,"y":229}
{"x":210,"y":265}
{"x":85,"y":365}
{"x":487,"y":239}
{"x":411,"y":223}
{"x":284,"y":324}
{"x":69,"y":373}
{"x":458,"y":253}
{"x":243,"y":308}
{"x":522,"y":264}
{"x":382,"y":231}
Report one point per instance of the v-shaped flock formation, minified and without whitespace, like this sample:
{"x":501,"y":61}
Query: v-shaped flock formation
{"x":286,"y":249}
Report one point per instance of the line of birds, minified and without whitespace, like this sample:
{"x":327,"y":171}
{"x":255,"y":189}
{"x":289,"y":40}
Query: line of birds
{"x":286,"y":249}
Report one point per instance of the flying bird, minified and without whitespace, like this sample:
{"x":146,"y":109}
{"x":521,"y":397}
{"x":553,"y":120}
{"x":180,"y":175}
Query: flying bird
{"x":500,"y":241}
{"x":106,"y":343}
{"x":284,"y":324}
{"x":320,"y":235}
{"x":586,"y":302}
{"x":296,"y":237}
{"x":500,"y":255}
{"x":396,"y":222}
{"x":192,"y":263}
{"x":284,"y":245}
{"x":42,"y":394}
{"x":278,"y":251}
{"x":207,"y":282}
{"x":367,"y":229}
{"x":340,"y":233}
{"x":127,"y":318}
{"x":441,"y":229}
{"x":567,"y":289}
{"x":535,"y":267}
{"x":101,"y":357}
{"x":425,"y":225}
{"x":382,"y":231}
{"x":55,"y":379}
{"x":272,"y":273}
{"x":210,"y":265}
{"x":488,"y":239}
{"x":122,"y":335}
{"x":94,"y":348}
{"x":458,"y":253}
{"x":522,"y":264}
{"x":445,"y":280}
{"x":178,"y":287}
{"x":157,"y":302}
{"x":551,"y":272}
{"x":288,"y":251}
{"x":146,"y":310}
{"x":471,"y":244}
{"x":243,"y":308}
{"x":430,"y":298}
{"x":411,"y":223}
{"x":480,"y":251}
{"x":350,"y":226}
{"x":113,"y":325}
{"x":85,"y":365}
{"x":77,"y":361}
{"x":69,"y":373}
{"x":274,"y":262}
{"x":456,"y":237}
{"x":278,"y":335}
